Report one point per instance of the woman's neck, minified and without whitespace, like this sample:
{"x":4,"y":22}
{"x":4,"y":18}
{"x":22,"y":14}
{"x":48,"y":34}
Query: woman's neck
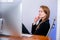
{"x":43,"y":19}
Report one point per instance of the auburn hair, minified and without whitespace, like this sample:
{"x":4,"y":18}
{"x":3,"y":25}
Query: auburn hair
{"x":46,"y":10}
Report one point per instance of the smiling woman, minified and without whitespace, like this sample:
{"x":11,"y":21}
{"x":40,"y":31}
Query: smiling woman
{"x":30,"y":14}
{"x":43,"y":25}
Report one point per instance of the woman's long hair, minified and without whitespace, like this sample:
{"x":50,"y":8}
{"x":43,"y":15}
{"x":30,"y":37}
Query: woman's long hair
{"x":47,"y":12}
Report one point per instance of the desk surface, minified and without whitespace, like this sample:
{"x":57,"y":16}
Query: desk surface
{"x":34,"y":37}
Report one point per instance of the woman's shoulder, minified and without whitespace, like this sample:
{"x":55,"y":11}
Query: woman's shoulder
{"x":46,"y":22}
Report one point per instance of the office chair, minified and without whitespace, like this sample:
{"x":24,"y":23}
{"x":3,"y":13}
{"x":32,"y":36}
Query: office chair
{"x":51,"y":26}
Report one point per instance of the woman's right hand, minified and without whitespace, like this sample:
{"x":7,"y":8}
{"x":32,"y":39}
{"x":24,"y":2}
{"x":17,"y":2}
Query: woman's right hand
{"x":36,"y":19}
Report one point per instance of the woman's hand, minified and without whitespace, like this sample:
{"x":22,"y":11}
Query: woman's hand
{"x":36,"y":19}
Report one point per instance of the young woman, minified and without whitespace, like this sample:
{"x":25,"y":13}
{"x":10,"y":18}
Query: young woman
{"x":41,"y":24}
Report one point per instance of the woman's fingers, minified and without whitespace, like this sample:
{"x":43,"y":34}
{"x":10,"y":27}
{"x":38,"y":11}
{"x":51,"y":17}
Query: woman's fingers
{"x":36,"y":19}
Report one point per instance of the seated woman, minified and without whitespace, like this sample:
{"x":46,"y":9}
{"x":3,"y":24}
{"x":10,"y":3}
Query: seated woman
{"x":41,"y":24}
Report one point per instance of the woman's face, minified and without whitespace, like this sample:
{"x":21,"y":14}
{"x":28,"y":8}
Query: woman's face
{"x":42,"y":14}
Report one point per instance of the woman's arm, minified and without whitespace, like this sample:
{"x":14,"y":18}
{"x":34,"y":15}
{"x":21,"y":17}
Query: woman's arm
{"x":33,"y":28}
{"x":34,"y":24}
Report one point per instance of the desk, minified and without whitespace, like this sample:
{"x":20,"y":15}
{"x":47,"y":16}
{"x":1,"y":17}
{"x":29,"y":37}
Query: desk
{"x":34,"y":37}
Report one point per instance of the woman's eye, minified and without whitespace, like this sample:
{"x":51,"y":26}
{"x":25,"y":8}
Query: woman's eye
{"x":40,"y":11}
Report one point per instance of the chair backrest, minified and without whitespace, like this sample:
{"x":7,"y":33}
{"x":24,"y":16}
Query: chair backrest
{"x":51,"y":25}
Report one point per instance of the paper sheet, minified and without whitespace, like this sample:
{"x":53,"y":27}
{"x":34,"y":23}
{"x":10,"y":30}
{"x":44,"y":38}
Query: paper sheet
{"x":27,"y":35}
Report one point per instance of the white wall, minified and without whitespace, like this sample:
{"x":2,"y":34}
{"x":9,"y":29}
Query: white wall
{"x":58,"y":21}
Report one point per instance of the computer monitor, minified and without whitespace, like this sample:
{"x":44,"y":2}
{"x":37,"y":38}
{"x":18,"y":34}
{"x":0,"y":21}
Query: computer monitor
{"x":11,"y":16}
